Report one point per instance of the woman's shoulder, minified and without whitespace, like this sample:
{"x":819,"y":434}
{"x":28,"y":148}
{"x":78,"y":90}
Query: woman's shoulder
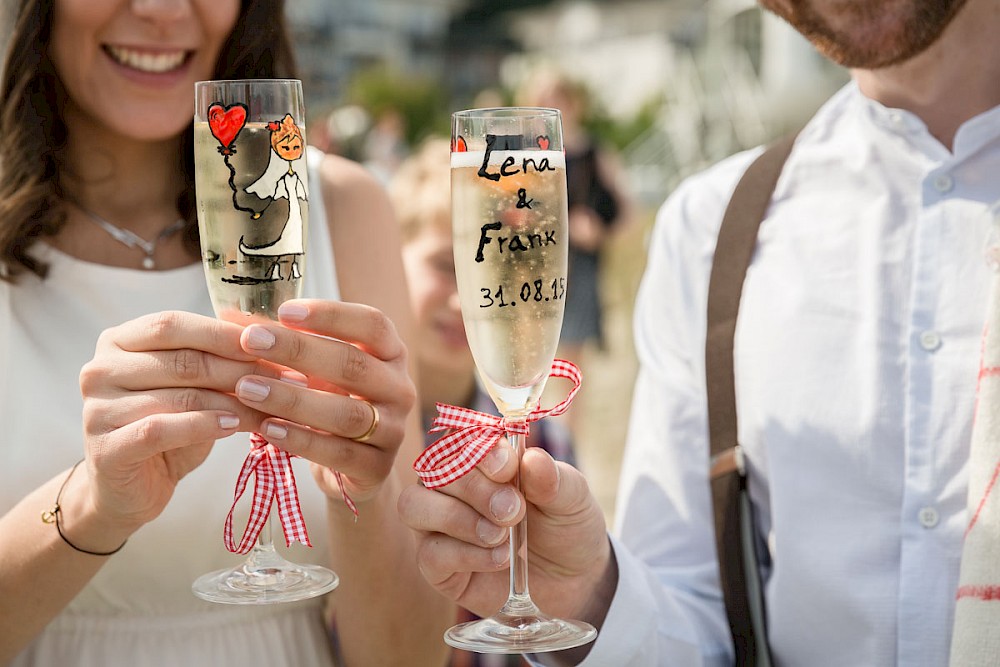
{"x":347,"y":180}
{"x":355,"y":200}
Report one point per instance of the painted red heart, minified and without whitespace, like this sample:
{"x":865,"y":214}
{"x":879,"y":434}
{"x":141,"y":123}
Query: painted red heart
{"x":543,"y":142}
{"x":458,"y":145}
{"x":226,"y":122}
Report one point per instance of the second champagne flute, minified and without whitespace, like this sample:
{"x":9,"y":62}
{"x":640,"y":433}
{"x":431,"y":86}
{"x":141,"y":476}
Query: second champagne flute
{"x":253,"y":211}
{"x":509,"y":221}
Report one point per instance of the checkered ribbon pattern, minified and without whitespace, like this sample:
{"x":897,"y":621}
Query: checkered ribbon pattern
{"x":473,"y":434}
{"x":975,"y":639}
{"x":274,"y":479}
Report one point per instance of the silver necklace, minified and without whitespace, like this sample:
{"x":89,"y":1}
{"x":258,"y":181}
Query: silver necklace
{"x":133,"y":240}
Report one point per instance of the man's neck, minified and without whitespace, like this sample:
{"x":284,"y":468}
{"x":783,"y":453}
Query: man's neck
{"x":956,"y":78}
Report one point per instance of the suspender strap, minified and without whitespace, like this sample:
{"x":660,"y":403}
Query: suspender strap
{"x":734,"y":531}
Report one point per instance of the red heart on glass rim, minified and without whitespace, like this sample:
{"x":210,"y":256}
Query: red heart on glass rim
{"x":226,"y":122}
{"x":543,"y":142}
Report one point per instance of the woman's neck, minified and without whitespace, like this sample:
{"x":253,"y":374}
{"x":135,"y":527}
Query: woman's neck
{"x":130,"y":182}
{"x":133,"y":185}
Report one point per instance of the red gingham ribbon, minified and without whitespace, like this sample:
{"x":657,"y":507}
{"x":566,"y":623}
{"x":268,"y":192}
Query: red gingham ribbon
{"x":474,"y":433}
{"x":274,"y":480}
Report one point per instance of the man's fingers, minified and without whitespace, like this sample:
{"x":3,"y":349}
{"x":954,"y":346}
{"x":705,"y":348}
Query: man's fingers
{"x":432,"y":512}
{"x":500,"y":464}
{"x":556,"y":488}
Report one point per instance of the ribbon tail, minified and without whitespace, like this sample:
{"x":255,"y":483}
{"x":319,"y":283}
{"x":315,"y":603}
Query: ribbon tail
{"x":343,"y":492}
{"x":286,"y":493}
{"x":255,"y":464}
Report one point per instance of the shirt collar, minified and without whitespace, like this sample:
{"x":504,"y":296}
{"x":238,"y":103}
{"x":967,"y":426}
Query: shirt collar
{"x":971,"y":136}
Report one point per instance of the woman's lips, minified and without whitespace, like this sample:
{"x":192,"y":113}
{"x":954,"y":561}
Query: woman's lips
{"x":158,"y":61}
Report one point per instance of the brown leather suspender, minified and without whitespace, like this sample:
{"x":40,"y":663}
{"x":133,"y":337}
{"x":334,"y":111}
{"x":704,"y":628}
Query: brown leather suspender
{"x":734,"y":524}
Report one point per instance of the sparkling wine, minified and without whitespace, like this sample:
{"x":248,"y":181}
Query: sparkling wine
{"x":253,"y":212}
{"x":510,"y":243}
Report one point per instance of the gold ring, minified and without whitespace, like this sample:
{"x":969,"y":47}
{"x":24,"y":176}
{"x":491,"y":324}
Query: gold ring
{"x":364,"y":437}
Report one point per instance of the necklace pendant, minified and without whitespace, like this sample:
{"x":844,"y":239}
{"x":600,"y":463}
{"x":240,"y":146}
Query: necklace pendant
{"x":148,"y":263}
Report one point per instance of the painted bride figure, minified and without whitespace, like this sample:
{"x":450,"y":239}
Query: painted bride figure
{"x":281,"y":181}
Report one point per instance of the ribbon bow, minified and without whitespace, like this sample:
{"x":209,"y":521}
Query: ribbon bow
{"x":274,"y":480}
{"x":473,"y":433}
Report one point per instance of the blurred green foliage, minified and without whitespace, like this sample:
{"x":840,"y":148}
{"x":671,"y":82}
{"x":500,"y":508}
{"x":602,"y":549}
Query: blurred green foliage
{"x":423,"y":102}
{"x":619,"y":133}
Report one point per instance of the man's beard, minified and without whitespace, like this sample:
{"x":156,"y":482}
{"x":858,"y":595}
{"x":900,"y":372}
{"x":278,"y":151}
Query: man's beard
{"x":868,"y":34}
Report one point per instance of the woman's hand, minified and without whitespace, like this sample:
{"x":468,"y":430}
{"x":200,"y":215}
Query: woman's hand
{"x":338,"y":363}
{"x":463,"y":538}
{"x":157,"y":394}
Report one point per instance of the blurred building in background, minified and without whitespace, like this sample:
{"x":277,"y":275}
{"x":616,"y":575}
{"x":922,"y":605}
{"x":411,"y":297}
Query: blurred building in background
{"x":685,"y":82}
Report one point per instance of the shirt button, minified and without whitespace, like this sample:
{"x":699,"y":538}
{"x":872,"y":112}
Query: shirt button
{"x":930,"y":340}
{"x":928,"y":517}
{"x":943,"y":183}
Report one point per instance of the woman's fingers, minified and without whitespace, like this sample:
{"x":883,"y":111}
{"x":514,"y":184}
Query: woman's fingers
{"x":365,"y":464}
{"x":335,"y":413}
{"x":342,"y":364}
{"x":170,"y":349}
{"x":158,"y":433}
{"x":357,"y":323}
{"x":102,"y":415}
{"x":177,"y":330}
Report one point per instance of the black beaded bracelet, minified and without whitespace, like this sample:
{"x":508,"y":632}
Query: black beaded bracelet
{"x":52,"y":516}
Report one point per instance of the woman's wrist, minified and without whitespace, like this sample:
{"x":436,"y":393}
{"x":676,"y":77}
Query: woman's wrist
{"x":77,"y":522}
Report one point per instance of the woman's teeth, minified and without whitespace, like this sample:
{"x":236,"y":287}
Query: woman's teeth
{"x":145,"y":61}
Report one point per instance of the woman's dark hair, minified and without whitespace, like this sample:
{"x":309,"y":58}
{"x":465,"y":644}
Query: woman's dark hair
{"x":32,"y":100}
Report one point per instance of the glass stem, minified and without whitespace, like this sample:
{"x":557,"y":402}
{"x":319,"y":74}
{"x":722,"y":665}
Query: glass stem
{"x":519,"y":601}
{"x":264,"y":538}
{"x":263,"y":559}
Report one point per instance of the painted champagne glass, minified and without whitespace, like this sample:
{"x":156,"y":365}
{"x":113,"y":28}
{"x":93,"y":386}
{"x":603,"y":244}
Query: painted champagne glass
{"x":509,"y":221}
{"x":251,"y":189}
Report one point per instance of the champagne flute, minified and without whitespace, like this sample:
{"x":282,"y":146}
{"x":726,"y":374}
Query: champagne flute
{"x":253,"y":212}
{"x":509,"y":221}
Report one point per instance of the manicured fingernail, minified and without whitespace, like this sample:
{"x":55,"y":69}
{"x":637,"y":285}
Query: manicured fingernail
{"x":228,"y":422}
{"x":294,"y":377}
{"x":489,"y":532}
{"x":293,"y":312}
{"x":252,"y":390}
{"x":504,"y":504}
{"x":275,"y":431}
{"x":501,"y":554}
{"x":496,"y":459}
{"x":259,"y":338}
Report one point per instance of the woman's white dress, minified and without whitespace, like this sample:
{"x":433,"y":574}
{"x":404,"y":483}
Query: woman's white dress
{"x":139,"y":609}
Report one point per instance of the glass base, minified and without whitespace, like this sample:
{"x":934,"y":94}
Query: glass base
{"x":506,"y":633}
{"x":256,"y":583}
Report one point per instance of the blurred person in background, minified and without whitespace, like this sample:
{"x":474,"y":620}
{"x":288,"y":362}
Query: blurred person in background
{"x":109,"y":350}
{"x":598,"y":208}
